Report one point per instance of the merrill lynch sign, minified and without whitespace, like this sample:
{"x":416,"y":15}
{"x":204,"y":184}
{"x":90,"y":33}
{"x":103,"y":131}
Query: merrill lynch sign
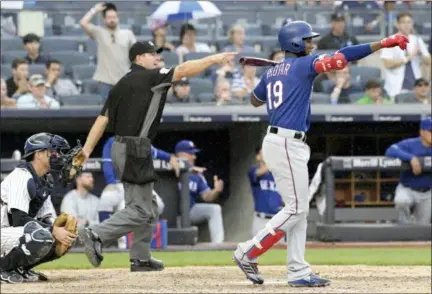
{"x":376,"y":162}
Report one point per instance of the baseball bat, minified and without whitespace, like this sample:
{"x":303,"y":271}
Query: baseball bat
{"x":255,"y":61}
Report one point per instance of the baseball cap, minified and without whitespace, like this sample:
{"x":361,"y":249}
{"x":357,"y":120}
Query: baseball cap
{"x":426,"y":124}
{"x":36,"y":80}
{"x":140,"y":48}
{"x":186,"y":146}
{"x":337,"y":16}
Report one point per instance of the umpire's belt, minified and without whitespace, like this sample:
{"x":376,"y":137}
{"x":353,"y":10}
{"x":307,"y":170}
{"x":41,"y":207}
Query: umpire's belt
{"x":287,"y":133}
{"x":264,"y":215}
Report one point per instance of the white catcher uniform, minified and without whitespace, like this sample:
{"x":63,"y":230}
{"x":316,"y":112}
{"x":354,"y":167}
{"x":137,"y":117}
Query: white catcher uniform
{"x":15,"y":194}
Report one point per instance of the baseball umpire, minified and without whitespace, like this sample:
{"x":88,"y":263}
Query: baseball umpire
{"x":134,"y":108}
{"x":286,"y":90}
{"x":28,"y":226}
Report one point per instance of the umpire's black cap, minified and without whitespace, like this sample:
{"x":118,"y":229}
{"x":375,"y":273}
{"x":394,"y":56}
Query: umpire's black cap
{"x":141,"y":48}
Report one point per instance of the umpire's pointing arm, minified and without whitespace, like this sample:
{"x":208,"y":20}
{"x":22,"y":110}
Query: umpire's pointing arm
{"x":145,"y":55}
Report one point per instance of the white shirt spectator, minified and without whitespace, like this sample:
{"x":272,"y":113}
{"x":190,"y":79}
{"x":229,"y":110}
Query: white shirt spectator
{"x":29,"y":102}
{"x":394,"y":77}
{"x":81,"y":206}
{"x":199,"y":47}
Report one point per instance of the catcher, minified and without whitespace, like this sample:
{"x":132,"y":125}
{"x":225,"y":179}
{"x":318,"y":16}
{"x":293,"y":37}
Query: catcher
{"x":30,"y":232}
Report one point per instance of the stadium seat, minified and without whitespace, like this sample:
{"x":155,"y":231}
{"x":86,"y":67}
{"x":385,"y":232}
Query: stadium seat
{"x":91,"y":47}
{"x":6,"y":71}
{"x":37,"y":69}
{"x":364,"y":73}
{"x":199,"y":85}
{"x":327,"y":86}
{"x":70,"y":58}
{"x":354,"y":97}
{"x":206,"y":97}
{"x":58,"y":44}
{"x":171,"y":58}
{"x":408,"y":97}
{"x":9,"y":56}
{"x":195,"y":55}
{"x":83,"y":71}
{"x":83,"y":99}
{"x":320,"y":98}
{"x":90,"y":86}
{"x":12,"y":44}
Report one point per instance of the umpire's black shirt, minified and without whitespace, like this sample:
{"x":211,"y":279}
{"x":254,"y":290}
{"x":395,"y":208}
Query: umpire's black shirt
{"x":137,"y":101}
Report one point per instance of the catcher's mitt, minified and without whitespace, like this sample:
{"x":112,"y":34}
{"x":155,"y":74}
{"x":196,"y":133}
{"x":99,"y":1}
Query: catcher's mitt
{"x":69,"y":222}
{"x":73,"y":162}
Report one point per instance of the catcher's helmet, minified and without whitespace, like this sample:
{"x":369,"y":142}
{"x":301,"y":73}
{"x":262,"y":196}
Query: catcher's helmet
{"x":45,"y":141}
{"x":292,"y":35}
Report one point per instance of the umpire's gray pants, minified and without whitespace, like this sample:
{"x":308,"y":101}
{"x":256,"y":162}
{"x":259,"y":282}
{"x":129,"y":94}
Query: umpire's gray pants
{"x":139,"y":215}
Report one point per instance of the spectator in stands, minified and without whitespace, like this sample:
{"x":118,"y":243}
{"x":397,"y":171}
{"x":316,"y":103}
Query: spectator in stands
{"x":159,"y":33}
{"x":80,"y":202}
{"x":37,"y":99}
{"x":277,"y":55}
{"x":344,"y":86}
{"x":6,"y":102}
{"x":223,"y":94}
{"x":181,"y":92}
{"x":422,"y":91}
{"x":113,"y":45}
{"x":414,"y":190}
{"x":8,"y":27}
{"x":337,"y":38}
{"x":17,"y":85}
{"x":242,"y":86}
{"x":237,"y":35}
{"x":403,"y":67}
{"x":56,"y":86}
{"x":373,"y":94}
{"x":189,"y":43}
{"x":201,"y":195}
{"x":32,"y":46}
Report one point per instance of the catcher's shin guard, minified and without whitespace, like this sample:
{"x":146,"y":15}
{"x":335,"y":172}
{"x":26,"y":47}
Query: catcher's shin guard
{"x":33,"y":246}
{"x":261,"y":246}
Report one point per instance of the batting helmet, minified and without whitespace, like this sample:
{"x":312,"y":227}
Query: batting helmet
{"x":45,"y":141}
{"x":292,"y":35}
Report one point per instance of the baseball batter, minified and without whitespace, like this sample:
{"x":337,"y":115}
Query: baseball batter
{"x":286,"y":91}
{"x":112,"y":198}
{"x":27,"y":213}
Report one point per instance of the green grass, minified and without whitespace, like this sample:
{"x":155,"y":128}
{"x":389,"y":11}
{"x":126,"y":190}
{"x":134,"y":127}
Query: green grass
{"x":336,"y":256}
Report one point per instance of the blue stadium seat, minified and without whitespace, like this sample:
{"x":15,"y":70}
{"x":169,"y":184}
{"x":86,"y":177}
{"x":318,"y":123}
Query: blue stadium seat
{"x":195,"y":55}
{"x":82,"y":99}
{"x":83,"y":71}
{"x":364,"y":73}
{"x":206,"y":97}
{"x":70,"y":58}
{"x":12,"y":44}
{"x":408,"y":97}
{"x":6,"y":71}
{"x":90,"y":86}
{"x":327,"y":86}
{"x":91,"y":47}
{"x":199,"y":85}
{"x":37,"y":69}
{"x":9,"y":56}
{"x":354,"y":97}
{"x":171,"y":58}
{"x":59,"y":44}
{"x":320,"y":98}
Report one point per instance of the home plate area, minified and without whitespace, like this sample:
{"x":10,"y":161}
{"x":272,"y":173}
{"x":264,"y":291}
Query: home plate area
{"x":229,"y":279}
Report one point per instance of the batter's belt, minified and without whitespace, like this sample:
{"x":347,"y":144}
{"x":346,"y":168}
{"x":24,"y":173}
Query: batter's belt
{"x":287,"y":133}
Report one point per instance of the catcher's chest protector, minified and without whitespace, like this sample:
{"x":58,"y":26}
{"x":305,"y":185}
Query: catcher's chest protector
{"x":39,"y":189}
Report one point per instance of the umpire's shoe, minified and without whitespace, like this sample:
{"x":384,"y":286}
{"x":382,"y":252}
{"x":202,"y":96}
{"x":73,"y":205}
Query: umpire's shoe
{"x":146,"y":265}
{"x":312,"y":280}
{"x":92,"y":245}
{"x":11,"y":277}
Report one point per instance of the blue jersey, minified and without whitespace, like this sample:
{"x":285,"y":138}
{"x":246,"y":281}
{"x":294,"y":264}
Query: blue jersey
{"x":197,"y":186}
{"x":108,"y":166}
{"x":286,"y":89}
{"x":266,"y":198}
{"x":405,"y":150}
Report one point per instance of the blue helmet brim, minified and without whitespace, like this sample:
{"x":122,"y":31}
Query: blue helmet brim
{"x":311,"y":35}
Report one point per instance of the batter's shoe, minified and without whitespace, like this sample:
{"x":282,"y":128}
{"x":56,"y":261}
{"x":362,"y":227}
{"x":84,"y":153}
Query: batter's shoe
{"x":250,"y":269}
{"x":31,"y":275}
{"x":11,"y":277}
{"x":310,"y":281}
{"x":146,"y":265}
{"x":92,"y":246}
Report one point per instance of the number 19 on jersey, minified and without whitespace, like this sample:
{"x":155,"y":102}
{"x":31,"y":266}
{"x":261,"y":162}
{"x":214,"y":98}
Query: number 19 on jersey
{"x":274,"y":94}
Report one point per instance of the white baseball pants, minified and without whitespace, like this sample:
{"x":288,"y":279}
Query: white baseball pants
{"x":10,"y":238}
{"x":212,"y":214}
{"x":287,"y":159}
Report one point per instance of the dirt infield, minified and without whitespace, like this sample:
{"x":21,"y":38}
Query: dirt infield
{"x":229,"y":279}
